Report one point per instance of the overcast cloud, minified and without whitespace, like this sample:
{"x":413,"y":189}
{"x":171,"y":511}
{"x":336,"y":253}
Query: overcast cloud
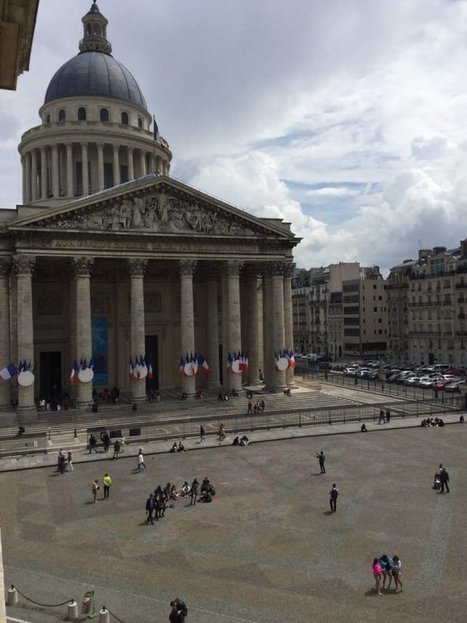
{"x":346,"y":118}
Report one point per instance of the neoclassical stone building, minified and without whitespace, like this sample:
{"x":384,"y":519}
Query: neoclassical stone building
{"x":109,"y":258}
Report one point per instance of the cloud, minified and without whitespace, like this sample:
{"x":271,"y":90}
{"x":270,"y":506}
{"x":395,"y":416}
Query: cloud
{"x":347,"y":119}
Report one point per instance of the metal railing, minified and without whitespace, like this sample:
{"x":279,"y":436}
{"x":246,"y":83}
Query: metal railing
{"x":27,"y":443}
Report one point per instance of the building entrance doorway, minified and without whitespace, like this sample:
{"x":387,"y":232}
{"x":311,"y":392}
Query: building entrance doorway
{"x":50,"y":380}
{"x":151,"y":348}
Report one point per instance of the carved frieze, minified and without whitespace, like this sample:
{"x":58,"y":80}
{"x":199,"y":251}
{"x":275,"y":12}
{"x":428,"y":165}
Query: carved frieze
{"x":159,"y":212}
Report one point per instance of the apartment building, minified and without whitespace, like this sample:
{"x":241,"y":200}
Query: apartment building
{"x":340,"y":311}
{"x":427,"y":301}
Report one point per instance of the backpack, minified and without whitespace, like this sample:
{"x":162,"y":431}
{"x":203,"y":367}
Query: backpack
{"x":334,"y":494}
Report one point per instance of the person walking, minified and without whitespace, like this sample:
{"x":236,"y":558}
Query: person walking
{"x":333,"y":497}
{"x":250,"y":408}
{"x":202,"y":436}
{"x":141,"y":463}
{"x":116,"y":449}
{"x":321,"y":458}
{"x":150,"y":509}
{"x":444,"y":478}
{"x":61,"y":462}
{"x":388,"y":416}
{"x":92,"y":444}
{"x":95,"y":489}
{"x":69,"y":462}
{"x":381,"y":416}
{"x":107,"y":482}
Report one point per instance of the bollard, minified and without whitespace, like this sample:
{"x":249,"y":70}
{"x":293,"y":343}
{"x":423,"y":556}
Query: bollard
{"x":72,"y":610}
{"x":12,"y":596}
{"x":104,"y":615}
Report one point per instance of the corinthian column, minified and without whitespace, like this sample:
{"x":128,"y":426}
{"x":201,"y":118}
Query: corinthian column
{"x":274,"y":325}
{"x":82,"y":273}
{"x":288,"y":318}
{"x":254,"y":326}
{"x":136,"y":269}
{"x":212,"y":320}
{"x":234,"y":325}
{"x":187,"y":320}
{"x":24,"y":266}
{"x":5,"y":348}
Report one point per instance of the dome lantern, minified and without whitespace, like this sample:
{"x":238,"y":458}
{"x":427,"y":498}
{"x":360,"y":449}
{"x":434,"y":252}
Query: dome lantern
{"x":95,"y":35}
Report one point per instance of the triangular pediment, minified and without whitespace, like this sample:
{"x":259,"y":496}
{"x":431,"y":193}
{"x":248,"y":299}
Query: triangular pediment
{"x":153,"y":205}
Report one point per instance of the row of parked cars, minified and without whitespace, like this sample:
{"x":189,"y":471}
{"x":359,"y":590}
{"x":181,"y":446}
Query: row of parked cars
{"x":437,"y":377}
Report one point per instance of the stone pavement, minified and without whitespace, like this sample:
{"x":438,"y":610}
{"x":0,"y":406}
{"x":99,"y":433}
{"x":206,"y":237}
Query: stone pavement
{"x":267,"y":548}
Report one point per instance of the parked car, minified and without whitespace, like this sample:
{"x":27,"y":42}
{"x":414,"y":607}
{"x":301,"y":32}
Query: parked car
{"x":454,"y":386}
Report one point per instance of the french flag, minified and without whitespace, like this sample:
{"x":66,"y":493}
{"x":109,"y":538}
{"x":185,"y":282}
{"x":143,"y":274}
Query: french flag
{"x":291,"y":359}
{"x":8,"y":372}
{"x":229,"y":362}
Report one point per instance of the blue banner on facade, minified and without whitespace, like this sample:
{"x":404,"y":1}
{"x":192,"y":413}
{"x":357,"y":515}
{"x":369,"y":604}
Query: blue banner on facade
{"x":100,"y":331}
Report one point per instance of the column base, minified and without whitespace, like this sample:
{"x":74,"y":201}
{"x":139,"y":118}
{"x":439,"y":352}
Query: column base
{"x":139,"y":399}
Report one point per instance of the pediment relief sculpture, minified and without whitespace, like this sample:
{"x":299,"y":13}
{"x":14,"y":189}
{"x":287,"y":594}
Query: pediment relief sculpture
{"x":155,"y":213}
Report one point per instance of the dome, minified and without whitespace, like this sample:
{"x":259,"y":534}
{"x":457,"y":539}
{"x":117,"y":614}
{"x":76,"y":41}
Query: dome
{"x":93,"y":73}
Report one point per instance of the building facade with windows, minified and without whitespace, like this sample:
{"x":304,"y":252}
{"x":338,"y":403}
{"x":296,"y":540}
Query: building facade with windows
{"x":341,"y":311}
{"x":108,"y":258}
{"x":427,"y":298}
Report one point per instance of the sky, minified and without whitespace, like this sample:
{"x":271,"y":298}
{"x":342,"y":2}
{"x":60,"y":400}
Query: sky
{"x":346,"y":118}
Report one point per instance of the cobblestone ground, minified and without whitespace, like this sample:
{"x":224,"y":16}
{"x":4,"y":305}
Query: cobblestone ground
{"x":266,"y":549}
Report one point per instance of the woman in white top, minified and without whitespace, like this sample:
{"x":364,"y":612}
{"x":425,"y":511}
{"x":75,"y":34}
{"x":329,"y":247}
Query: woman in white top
{"x":396,"y":571}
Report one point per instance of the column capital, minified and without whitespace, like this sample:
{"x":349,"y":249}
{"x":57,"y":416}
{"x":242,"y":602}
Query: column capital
{"x":5,"y":266}
{"x":187,"y":267}
{"x":24,"y":264}
{"x":137,"y":266}
{"x":289,"y":270}
{"x":277,"y":269}
{"x":233,"y":268}
{"x":82,"y":265}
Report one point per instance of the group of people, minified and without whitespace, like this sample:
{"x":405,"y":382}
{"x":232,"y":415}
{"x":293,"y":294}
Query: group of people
{"x":242,"y":441}
{"x":258,"y":407}
{"x":429,"y":421}
{"x":164,"y":497}
{"x":106,"y":396}
{"x":177,"y":447}
{"x":106,"y":441}
{"x":64,"y":463}
{"x":384,"y":416}
{"x":385,"y":569}
{"x":107,"y":482}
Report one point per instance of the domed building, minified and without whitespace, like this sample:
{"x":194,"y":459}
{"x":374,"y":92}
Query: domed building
{"x":115,"y":275}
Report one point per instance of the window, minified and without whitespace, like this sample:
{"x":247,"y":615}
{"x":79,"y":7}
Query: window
{"x":47,"y":119}
{"x":82,"y":114}
{"x":124,"y":118}
{"x":104,"y":114}
{"x":61,"y":115}
{"x":140,"y":122}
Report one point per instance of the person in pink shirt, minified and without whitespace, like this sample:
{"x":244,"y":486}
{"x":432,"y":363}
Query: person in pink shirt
{"x":377,"y":573}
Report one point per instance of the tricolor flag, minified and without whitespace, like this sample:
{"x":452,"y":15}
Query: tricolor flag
{"x":229,"y":363}
{"x":74,"y":373}
{"x":8,"y":372}
{"x":131,"y":369}
{"x":243,"y":358}
{"x":291,"y":359}
{"x":203,"y":364}
{"x":150,"y":371}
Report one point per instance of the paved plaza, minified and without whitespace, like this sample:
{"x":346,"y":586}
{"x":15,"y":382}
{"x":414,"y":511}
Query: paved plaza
{"x":266,"y":549}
